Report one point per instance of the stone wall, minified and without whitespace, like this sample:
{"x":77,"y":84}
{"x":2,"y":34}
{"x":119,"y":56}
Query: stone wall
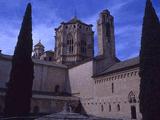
{"x":81,"y":82}
{"x":5,"y":66}
{"x":115,"y":94}
{"x":52,"y":104}
{"x":110,"y":95}
{"x":46,"y":103}
{"x":47,"y":75}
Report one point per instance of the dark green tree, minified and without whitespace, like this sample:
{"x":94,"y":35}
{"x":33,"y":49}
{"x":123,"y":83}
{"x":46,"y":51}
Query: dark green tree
{"x":19,"y":92}
{"x":150,"y":65}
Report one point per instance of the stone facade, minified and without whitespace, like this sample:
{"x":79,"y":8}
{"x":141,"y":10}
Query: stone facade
{"x":50,"y":83}
{"x":40,"y":53}
{"x":48,"y":56}
{"x":106,"y":42}
{"x":38,"y":50}
{"x":46,"y":74}
{"x":104,"y":85}
{"x":81,"y":77}
{"x":106,"y":38}
{"x":112,"y":94}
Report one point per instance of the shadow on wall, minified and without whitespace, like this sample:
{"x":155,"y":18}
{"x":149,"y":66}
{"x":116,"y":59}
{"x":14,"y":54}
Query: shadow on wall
{"x":67,"y":87}
{"x":80,"y":109}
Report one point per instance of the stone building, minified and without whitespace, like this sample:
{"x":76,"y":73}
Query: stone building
{"x":48,"y":56}
{"x":40,"y":53}
{"x":103,"y":85}
{"x":38,"y":50}
{"x":73,"y":42}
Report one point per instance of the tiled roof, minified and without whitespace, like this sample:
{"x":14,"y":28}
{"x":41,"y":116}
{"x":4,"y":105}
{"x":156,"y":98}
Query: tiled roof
{"x":39,"y":44}
{"x":36,"y":61}
{"x":80,"y":63}
{"x":49,"y":63}
{"x":76,"y":20}
{"x":121,"y":65}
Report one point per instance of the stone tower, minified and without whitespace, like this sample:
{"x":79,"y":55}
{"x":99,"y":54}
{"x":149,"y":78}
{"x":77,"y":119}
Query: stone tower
{"x":106,"y":42}
{"x":73,"y":42}
{"x":38,"y":50}
{"x":106,"y":39}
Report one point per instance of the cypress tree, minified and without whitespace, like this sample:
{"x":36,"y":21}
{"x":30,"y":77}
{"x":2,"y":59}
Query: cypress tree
{"x":19,"y":92}
{"x":150,"y":65}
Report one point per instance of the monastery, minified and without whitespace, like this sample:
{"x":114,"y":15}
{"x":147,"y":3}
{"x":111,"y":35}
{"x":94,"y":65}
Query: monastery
{"x":99,"y":85}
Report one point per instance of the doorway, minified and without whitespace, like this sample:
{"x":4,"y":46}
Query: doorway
{"x":133,"y":112}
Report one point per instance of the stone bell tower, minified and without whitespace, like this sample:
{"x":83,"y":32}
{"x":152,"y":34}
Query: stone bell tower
{"x":106,"y":38}
{"x":38,"y":50}
{"x":106,"y":42}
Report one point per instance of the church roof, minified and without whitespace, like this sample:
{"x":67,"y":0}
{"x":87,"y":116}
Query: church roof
{"x":50,"y":51}
{"x":36,"y":61}
{"x":76,"y":20}
{"x":134,"y":62}
{"x":39,"y":44}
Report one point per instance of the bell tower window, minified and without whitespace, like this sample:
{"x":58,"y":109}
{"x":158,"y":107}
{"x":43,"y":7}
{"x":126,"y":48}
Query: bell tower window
{"x":83,"y":46}
{"x":104,"y":18}
{"x":112,"y":87}
{"x":69,"y":43}
{"x":108,"y":33}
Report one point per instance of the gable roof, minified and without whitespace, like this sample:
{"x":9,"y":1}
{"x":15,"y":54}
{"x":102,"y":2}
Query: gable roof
{"x":39,"y":44}
{"x":76,"y":20}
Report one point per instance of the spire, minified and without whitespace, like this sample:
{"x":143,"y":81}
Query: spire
{"x":75,"y":13}
{"x":39,"y":44}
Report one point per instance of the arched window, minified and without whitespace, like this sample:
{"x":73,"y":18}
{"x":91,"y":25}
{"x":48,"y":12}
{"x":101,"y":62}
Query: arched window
{"x":69,"y":43}
{"x":102,"y":108}
{"x":104,"y":18}
{"x":108,"y":33}
{"x":83,"y":46}
{"x":131,"y":97}
{"x":112,"y":87}
{"x":118,"y":107}
{"x":110,"y":108}
{"x":57,"y":89}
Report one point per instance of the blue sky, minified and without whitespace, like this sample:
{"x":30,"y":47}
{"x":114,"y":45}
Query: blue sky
{"x":48,"y":14}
